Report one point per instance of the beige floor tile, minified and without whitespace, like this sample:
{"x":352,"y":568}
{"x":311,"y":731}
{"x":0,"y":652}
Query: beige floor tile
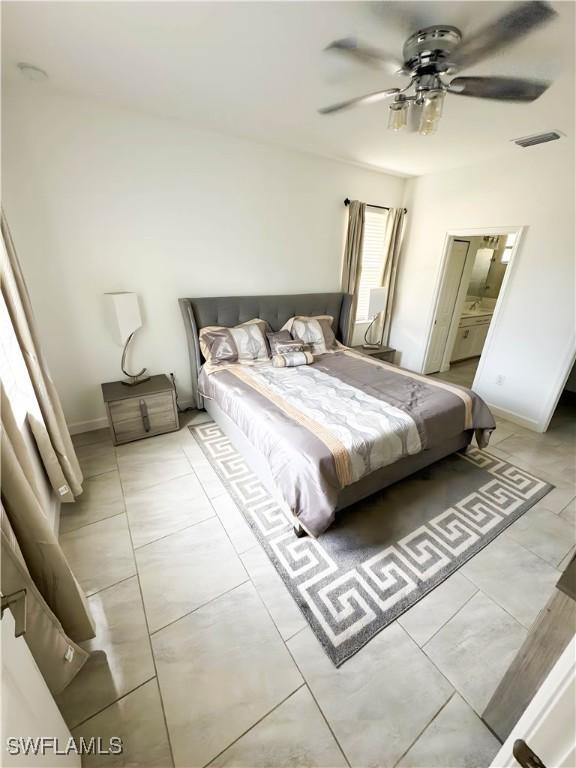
{"x":456,"y":738}
{"x":120,"y":658}
{"x":146,"y":463}
{"x":462,"y":373}
{"x":569,"y":512}
{"x":542,"y":453}
{"x":515,"y":578}
{"x":96,"y":458}
{"x":166,"y":508}
{"x":94,"y":436}
{"x":380,"y":700}
{"x":100,"y":554}
{"x":280,"y":603}
{"x":211,"y":483}
{"x":138,"y":720}
{"x":233,"y":521}
{"x":495,"y":451}
{"x":475,"y":648}
{"x":501,"y":433}
{"x":294,"y":734}
{"x":558,"y":497}
{"x":429,"y":614}
{"x":544,"y":533}
{"x":221,"y":669}
{"x":567,"y":560}
{"x":180,"y":572}
{"x":101,"y":498}
{"x":192,"y":418}
{"x":194,"y":453}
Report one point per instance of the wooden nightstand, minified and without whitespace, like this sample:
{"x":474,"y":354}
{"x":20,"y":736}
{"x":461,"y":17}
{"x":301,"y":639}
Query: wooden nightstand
{"x":381,"y":352}
{"x":142,"y":411}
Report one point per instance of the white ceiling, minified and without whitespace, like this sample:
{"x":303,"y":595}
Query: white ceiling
{"x":259,"y":70}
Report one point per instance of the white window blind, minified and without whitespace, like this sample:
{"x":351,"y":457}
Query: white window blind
{"x":372,"y":257}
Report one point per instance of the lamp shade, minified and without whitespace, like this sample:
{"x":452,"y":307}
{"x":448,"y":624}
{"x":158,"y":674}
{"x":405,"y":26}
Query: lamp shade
{"x":124,"y":314}
{"x":378,"y":299}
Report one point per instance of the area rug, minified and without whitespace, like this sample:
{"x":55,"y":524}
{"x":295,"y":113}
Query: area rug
{"x":386,"y":552}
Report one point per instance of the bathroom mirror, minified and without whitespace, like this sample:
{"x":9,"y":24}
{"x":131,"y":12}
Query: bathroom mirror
{"x":490,"y":262}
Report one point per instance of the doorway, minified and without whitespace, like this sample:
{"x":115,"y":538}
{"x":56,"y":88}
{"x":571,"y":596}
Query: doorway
{"x":472,"y":283}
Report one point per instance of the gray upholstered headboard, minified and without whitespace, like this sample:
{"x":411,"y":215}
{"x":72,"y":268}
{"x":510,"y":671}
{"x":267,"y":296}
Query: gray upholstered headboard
{"x":276,"y":310}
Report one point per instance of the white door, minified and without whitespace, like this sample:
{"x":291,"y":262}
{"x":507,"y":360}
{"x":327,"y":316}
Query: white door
{"x":446,"y":303}
{"x":548,"y":726}
{"x":28,"y":709}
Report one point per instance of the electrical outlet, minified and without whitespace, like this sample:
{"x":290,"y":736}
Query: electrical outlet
{"x":500,"y":379}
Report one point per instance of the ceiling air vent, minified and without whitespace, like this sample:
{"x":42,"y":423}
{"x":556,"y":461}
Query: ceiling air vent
{"x":540,"y":138}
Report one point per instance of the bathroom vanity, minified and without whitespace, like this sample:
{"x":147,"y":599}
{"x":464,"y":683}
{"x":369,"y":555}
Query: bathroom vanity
{"x":471,"y":334}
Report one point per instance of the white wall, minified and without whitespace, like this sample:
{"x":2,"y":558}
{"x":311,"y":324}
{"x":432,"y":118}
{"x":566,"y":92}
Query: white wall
{"x":534,"y":340}
{"x":101,"y":199}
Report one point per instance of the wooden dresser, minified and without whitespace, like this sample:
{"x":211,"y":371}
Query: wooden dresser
{"x":143,"y":410}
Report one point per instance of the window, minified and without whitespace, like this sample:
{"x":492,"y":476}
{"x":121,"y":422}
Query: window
{"x":372,"y":258}
{"x":507,"y":252}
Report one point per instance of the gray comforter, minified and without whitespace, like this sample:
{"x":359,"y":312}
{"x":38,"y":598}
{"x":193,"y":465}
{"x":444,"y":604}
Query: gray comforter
{"x":323,"y":426}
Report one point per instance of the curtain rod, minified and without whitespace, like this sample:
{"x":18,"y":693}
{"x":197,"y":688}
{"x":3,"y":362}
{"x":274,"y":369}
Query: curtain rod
{"x":347,"y":201}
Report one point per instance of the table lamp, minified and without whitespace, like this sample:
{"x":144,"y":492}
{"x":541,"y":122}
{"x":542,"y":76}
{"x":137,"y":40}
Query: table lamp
{"x":376,"y":305}
{"x":126,"y":319}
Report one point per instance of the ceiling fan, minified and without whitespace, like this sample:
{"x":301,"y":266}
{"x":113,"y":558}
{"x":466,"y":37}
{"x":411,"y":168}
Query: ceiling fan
{"x":434,"y":53}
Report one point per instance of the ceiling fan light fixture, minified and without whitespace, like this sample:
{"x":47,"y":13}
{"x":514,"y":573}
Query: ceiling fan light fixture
{"x":432,"y":53}
{"x":431,"y":112}
{"x":398,"y":115}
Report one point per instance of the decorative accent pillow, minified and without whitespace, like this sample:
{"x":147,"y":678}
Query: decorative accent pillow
{"x":316,"y":331}
{"x":292,"y":359}
{"x":282,"y":341}
{"x":243,"y":342}
{"x":276,"y":338}
{"x":294,"y":345}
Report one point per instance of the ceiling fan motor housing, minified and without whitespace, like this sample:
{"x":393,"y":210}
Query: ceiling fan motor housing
{"x":427,"y":51}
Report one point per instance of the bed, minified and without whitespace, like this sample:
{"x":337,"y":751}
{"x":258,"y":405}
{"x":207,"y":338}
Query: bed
{"x":322,"y":437}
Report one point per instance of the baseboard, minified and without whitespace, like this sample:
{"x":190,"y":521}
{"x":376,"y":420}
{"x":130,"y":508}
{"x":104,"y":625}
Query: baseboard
{"x":76,"y":427}
{"x":515,"y":418}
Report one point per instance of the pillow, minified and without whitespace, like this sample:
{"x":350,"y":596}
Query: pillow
{"x":243,"y":342}
{"x":292,"y":359}
{"x":294,"y":345}
{"x":316,"y":331}
{"x":276,"y":338}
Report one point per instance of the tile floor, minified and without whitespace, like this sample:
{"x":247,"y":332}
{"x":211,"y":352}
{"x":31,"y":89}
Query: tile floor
{"x":202,"y":657}
{"x":461,"y":373}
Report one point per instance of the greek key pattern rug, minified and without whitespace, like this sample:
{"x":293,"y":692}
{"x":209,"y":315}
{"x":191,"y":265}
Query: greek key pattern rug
{"x":385,"y":553}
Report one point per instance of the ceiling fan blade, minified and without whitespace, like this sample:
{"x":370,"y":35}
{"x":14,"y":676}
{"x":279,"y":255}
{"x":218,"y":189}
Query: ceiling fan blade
{"x":365,"y":54}
{"x":507,"y":30}
{"x":498,"y":88}
{"x":370,"y":98}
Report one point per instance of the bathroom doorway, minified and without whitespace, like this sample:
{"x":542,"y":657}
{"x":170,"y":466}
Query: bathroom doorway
{"x":470,"y":289}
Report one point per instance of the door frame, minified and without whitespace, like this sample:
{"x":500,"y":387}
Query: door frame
{"x":503,"y":295}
